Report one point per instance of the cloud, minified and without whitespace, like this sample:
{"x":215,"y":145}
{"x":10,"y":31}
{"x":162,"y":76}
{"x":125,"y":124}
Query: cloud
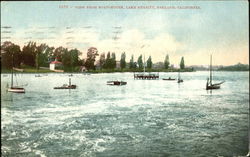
{"x":131,"y":41}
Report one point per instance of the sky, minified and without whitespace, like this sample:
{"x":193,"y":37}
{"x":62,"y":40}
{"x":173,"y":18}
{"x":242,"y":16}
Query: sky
{"x":192,"y":29}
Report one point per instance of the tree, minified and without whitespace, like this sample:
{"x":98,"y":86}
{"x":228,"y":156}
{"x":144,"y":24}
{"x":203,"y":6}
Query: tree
{"x":102,"y":60}
{"x":166,"y":62}
{"x":37,"y":60}
{"x":10,"y":52}
{"x":149,"y":63}
{"x":131,"y":62}
{"x":113,"y":61}
{"x":140,"y":62}
{"x":182,"y":65}
{"x":66,"y":60}
{"x":91,"y":55}
{"x":108,"y":62}
{"x":75,"y":60}
{"x":29,"y":54}
{"x":42,"y":55}
{"x":57,"y":54}
{"x":123,"y":61}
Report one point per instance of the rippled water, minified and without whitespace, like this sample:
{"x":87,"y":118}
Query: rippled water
{"x":143,"y":118}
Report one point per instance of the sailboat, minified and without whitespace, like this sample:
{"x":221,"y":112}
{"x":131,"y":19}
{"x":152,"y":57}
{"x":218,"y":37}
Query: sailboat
{"x":14,"y":89}
{"x":209,"y":84}
{"x":179,"y":78}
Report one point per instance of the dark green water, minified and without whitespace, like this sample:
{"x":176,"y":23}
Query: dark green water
{"x":143,"y":118}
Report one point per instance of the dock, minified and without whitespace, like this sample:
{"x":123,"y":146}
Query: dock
{"x":149,"y":76}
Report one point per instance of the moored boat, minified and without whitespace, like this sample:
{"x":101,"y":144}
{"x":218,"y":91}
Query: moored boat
{"x":168,"y":79}
{"x":14,"y":89}
{"x":179,"y":78}
{"x":209,"y":84}
{"x":65,"y":86}
{"x":116,"y":83}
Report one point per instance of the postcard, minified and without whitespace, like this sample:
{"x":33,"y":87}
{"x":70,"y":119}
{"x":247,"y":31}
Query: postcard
{"x":125,"y":78}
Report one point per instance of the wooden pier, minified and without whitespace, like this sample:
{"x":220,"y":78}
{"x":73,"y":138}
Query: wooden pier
{"x":143,"y":76}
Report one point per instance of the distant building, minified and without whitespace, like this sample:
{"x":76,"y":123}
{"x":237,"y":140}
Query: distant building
{"x":118,"y":65}
{"x":97,"y":65}
{"x":83,"y":69}
{"x":158,"y":65}
{"x":175,"y":66}
{"x":54,"y":65}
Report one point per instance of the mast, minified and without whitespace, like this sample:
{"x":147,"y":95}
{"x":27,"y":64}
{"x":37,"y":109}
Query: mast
{"x":71,"y":62}
{"x":144,"y":65}
{"x":211,"y":70}
{"x":12,"y":71}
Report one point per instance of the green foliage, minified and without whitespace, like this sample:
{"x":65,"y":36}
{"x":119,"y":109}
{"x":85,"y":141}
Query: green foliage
{"x":11,"y":54}
{"x":138,"y":70}
{"x":149,"y":63}
{"x":108,"y":62}
{"x":57,"y":54}
{"x":182,"y":64}
{"x":66,"y":59}
{"x":42,"y":55}
{"x":36,"y":56}
{"x":140,"y":62}
{"x":29,"y":54}
{"x":91,"y":55}
{"x":166,"y":62}
{"x":132,"y":64}
{"x":123,"y":61}
{"x":237,"y":67}
{"x":74,"y":58}
{"x":102,"y":60}
{"x":113,"y":61}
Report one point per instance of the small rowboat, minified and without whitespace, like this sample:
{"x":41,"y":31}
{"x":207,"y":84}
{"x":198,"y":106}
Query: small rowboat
{"x":116,"y":83}
{"x":168,"y":79}
{"x":65,"y":86}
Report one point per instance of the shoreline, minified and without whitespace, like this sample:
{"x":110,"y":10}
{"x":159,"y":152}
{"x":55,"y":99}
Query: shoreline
{"x":100,"y":71}
{"x":103,"y":72}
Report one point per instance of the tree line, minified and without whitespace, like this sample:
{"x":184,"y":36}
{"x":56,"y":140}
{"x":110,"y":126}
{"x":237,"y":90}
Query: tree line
{"x":34,"y":55}
{"x":37,"y":56}
{"x":109,"y":61}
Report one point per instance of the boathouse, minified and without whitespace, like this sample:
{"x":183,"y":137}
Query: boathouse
{"x":54,"y":65}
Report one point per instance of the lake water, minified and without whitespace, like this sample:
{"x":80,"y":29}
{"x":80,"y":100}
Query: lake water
{"x":143,"y":118}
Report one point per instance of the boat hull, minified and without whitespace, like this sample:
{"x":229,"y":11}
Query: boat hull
{"x":179,"y":81}
{"x":212,"y":87}
{"x":116,"y":83}
{"x":16,"y":90}
{"x":168,"y":79}
{"x":66,"y":87}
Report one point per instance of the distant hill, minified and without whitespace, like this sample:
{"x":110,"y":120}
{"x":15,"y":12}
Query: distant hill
{"x":237,"y":67}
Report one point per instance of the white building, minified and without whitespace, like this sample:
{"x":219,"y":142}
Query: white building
{"x":53,"y":65}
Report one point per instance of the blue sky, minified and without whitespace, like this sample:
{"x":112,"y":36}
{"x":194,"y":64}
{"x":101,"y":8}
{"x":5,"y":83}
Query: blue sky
{"x":218,"y":27}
